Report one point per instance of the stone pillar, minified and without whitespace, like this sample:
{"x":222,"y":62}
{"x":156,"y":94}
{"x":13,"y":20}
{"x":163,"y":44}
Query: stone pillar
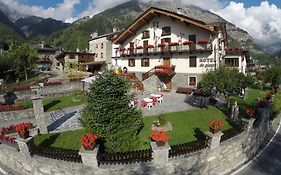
{"x":160,"y":154}
{"x":213,"y":139}
{"x":39,"y":114}
{"x":25,"y":145}
{"x":89,"y":157}
{"x":248,"y":123}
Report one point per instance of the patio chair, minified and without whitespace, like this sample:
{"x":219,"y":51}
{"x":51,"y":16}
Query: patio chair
{"x":149,"y":105}
{"x":154,"y":100}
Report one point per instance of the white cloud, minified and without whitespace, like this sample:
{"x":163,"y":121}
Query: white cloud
{"x":61,"y":12}
{"x":262,"y":22}
{"x":97,"y":6}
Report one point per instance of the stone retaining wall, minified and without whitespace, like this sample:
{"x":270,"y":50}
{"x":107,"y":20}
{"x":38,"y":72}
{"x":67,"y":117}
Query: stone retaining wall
{"x":64,"y":88}
{"x":15,"y":115}
{"x":218,"y":159}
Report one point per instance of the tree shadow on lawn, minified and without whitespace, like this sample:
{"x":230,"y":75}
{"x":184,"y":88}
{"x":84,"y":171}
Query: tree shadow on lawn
{"x":48,"y":142}
{"x":199,"y":134}
{"x":49,"y":105}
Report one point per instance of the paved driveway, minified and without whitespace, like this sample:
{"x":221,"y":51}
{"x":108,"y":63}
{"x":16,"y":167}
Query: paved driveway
{"x":269,"y":160}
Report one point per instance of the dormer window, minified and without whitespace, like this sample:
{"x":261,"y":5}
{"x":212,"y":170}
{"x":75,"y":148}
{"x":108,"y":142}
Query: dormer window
{"x":166,"y":31}
{"x":145,"y":34}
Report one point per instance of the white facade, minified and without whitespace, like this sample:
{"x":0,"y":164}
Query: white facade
{"x":180,"y":33}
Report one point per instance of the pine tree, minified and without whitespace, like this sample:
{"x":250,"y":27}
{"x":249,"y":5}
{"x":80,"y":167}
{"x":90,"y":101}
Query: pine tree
{"x":108,"y":114}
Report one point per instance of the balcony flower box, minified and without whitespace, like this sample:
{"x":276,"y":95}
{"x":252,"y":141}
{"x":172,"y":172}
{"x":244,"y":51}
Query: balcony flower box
{"x":203,"y":41}
{"x":131,"y":48}
{"x":139,"y":47}
{"x":187,"y":42}
{"x":173,"y":44}
{"x":149,"y":46}
{"x":161,"y":45}
{"x":122,"y":49}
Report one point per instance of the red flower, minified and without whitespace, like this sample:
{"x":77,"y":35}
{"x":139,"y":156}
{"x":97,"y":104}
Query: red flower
{"x":139,"y":47}
{"x":203,"y":41}
{"x":88,"y":140}
{"x":22,"y":128}
{"x":250,"y":112}
{"x":216,"y":124}
{"x":173,"y":44}
{"x":188,"y":42}
{"x":149,"y":46}
{"x":122,"y":49}
{"x":159,"y":136}
{"x":161,"y":45}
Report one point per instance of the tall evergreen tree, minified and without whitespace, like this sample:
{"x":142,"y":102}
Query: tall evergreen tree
{"x":107,"y":113}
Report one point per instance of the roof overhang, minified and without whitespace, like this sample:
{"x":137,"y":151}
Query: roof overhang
{"x":153,"y":12}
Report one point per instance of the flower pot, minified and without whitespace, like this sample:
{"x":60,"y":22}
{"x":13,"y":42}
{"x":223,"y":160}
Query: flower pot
{"x":160,"y":143}
{"x":24,"y":135}
{"x":88,"y":148}
{"x":214,"y":130}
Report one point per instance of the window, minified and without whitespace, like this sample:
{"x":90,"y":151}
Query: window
{"x":192,"y":61}
{"x":101,"y":46}
{"x":145,"y":62}
{"x":101,"y":55}
{"x":231,"y":62}
{"x":131,"y":62}
{"x":166,"y":31}
{"x":192,"y":81}
{"x":145,"y":34}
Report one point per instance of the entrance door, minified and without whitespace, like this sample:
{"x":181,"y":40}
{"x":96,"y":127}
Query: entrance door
{"x":167,"y":78}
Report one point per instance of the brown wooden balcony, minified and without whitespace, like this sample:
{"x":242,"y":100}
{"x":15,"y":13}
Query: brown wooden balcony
{"x":181,"y":48}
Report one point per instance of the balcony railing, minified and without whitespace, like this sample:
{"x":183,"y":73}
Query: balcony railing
{"x":163,"y":69}
{"x":168,"y":49}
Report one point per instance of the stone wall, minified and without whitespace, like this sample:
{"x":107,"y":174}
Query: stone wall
{"x":219,"y":159}
{"x":15,"y":115}
{"x":64,"y":88}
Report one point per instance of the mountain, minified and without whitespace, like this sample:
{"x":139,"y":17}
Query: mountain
{"x":122,"y":15}
{"x":78,"y":34}
{"x":12,"y":14}
{"x":8,"y":30}
{"x":33,"y":26}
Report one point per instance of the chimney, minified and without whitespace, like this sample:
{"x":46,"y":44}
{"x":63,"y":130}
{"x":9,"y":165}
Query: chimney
{"x":179,"y":11}
{"x":94,"y":35}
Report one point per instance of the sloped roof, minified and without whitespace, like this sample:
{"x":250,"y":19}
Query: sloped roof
{"x":152,"y":12}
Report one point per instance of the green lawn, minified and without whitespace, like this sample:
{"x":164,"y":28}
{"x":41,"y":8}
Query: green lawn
{"x":184,"y":125}
{"x":55,"y":103}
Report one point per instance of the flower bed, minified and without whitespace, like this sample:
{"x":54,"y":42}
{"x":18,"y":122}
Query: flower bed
{"x":11,"y":107}
{"x":12,"y":128}
{"x":75,"y":79}
{"x":21,"y":88}
{"x":51,"y":83}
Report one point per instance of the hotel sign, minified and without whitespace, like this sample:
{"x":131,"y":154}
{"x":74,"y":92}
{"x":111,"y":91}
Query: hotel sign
{"x":206,"y":62}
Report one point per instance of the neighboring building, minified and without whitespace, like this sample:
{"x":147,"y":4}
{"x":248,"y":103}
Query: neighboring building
{"x":71,"y":59}
{"x":175,"y":48}
{"x":102,"y":47}
{"x":46,"y":56}
{"x":236,"y":58}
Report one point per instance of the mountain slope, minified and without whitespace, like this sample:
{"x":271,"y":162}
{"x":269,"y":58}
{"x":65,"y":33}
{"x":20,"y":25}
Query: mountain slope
{"x":8,"y":30}
{"x":78,"y":34}
{"x":34,"y":26}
